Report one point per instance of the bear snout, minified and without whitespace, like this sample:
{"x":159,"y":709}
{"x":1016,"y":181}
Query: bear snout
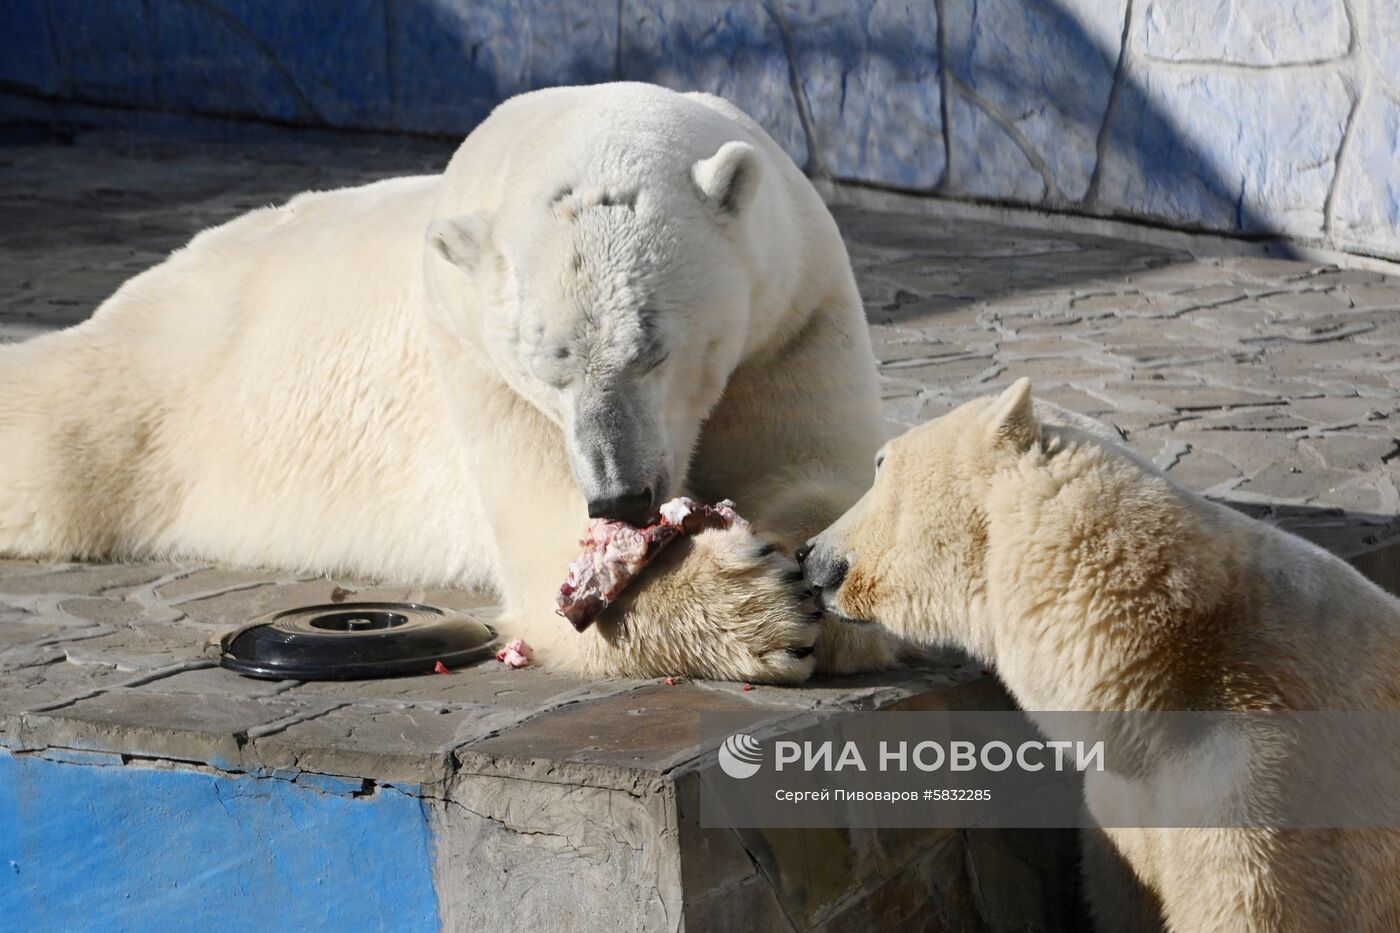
{"x":824,"y":571}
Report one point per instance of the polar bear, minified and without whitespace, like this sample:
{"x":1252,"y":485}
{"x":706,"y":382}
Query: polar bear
{"x":1095,"y":584}
{"x":613,"y":294}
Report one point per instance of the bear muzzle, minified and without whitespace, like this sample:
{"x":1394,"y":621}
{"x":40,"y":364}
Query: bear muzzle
{"x":634,"y":508}
{"x":824,"y":572}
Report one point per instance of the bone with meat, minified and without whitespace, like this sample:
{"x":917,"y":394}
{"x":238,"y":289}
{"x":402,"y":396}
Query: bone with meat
{"x":615,"y":553}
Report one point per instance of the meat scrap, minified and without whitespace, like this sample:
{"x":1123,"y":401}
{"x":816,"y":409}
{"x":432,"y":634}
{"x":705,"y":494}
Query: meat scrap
{"x":615,"y":553}
{"x":516,"y":653}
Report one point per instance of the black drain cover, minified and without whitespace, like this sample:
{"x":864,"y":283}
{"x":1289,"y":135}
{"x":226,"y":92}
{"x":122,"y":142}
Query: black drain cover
{"x":354,"y":641}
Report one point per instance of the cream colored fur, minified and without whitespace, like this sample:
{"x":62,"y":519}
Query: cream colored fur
{"x":1093,"y":583}
{"x":356,"y":382}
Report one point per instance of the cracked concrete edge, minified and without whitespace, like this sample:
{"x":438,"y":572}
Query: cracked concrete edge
{"x":427,"y":768}
{"x":513,"y":854}
{"x":331,"y":784}
{"x":220,"y":749}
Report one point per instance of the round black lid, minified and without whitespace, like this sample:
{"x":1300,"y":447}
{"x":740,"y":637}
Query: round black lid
{"x":355,"y":641}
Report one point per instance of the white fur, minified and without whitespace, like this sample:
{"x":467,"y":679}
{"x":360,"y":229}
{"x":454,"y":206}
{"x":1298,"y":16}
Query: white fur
{"x":414,"y":379}
{"x":1093,"y":583}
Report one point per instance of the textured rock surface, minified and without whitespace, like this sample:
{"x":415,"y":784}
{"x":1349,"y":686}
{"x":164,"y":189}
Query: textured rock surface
{"x":1272,"y":385}
{"x":1245,"y":32}
{"x":456,"y":59}
{"x":992,"y":158}
{"x":1250,"y":152}
{"x":1227,"y":115}
{"x":1379,"y":40}
{"x":734,"y":50}
{"x":1367,"y":205}
{"x":1044,"y":68}
{"x":869,"y":73}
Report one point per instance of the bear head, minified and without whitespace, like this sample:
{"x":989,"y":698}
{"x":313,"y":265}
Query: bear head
{"x":616,"y":302}
{"x":911,"y":554}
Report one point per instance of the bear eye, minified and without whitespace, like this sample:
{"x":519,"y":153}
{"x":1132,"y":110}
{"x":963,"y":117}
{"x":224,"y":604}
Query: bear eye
{"x":650,"y":367}
{"x":879,"y":461}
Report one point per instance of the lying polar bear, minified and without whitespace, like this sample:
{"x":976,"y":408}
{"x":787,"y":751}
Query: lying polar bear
{"x":1094,"y":584}
{"x":613,"y":294}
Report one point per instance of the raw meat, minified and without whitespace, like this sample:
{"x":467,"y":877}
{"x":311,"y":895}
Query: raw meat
{"x":614,"y":553}
{"x":516,"y":653}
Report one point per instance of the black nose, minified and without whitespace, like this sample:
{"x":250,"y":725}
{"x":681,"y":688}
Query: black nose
{"x":635,"y":508}
{"x":824,"y":572}
{"x":802,"y":552}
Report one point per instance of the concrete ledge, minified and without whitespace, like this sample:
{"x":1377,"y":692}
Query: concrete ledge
{"x":510,"y":799}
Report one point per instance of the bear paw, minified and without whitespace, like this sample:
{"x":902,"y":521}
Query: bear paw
{"x":723,"y":605}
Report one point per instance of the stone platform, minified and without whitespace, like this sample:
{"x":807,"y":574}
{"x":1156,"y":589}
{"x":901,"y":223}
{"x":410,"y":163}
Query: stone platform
{"x":529,"y":799}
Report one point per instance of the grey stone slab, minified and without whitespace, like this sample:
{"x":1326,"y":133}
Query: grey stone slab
{"x":1199,"y":469}
{"x":1249,"y":451}
{"x":649,"y":729}
{"x":52,"y":681}
{"x":147,"y":645}
{"x":1282,"y":482}
{"x":1343,"y":411}
{"x":1192,"y":398}
{"x":1271,"y":418}
{"x":1379,"y":292}
{"x":1112,"y":301}
{"x":207,"y":729}
{"x":102,"y":610}
{"x":1348,"y":452}
{"x":487,"y":683}
{"x":210,"y":682}
{"x":19,"y":632}
{"x":87,"y":579}
{"x":933,"y":680}
{"x":210,"y":581}
{"x":405,"y":744}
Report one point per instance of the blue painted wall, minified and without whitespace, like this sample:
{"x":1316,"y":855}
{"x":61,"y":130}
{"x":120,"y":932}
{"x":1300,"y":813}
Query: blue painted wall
{"x":1249,"y":117}
{"x":95,"y":845}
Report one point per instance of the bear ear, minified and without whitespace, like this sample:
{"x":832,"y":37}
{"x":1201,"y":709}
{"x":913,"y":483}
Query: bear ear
{"x":1012,"y":418}
{"x":461,"y":240}
{"x":728,"y":179}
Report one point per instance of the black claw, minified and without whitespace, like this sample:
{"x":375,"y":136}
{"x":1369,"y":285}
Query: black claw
{"x":794,"y":576}
{"x":815,"y":616}
{"x":801,"y":653}
{"x":803,"y":596}
{"x":767,"y":549}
